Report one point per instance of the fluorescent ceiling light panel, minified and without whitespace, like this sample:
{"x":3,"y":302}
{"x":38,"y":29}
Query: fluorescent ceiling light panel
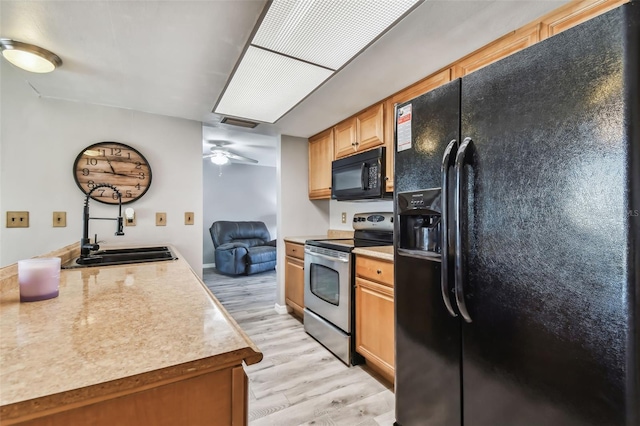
{"x":267,"y":85}
{"x":326,"y":32}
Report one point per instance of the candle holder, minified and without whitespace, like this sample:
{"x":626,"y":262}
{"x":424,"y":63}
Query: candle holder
{"x":39,"y":278}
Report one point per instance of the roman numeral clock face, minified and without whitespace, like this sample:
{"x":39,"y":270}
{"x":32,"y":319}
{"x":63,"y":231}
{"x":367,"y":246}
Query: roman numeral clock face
{"x":116,"y":164}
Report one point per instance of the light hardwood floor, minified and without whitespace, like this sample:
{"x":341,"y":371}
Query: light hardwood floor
{"x":298,"y":382}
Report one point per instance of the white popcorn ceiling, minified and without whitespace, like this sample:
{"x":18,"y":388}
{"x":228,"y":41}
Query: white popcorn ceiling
{"x":175,"y":57}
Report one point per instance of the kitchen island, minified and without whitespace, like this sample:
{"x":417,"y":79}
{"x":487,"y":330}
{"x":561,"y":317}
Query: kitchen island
{"x":133,"y":344}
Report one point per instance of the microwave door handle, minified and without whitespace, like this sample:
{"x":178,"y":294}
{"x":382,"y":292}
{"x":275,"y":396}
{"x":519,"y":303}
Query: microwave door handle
{"x":363,"y":169}
{"x":447,"y":163}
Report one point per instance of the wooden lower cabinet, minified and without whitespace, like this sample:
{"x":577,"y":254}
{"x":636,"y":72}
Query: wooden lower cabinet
{"x":294,"y":277}
{"x":215,"y":398}
{"x":375,"y":321}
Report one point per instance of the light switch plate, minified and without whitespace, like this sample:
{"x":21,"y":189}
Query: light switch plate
{"x":188,"y":218}
{"x":161,"y":219}
{"x":344,"y":217}
{"x":17,"y":219}
{"x":59,"y":219}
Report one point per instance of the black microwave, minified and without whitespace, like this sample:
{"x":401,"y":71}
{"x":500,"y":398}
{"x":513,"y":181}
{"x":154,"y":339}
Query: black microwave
{"x":359,"y":177}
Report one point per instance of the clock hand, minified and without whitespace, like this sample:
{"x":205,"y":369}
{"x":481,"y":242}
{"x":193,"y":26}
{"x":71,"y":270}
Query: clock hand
{"x":112,"y":169}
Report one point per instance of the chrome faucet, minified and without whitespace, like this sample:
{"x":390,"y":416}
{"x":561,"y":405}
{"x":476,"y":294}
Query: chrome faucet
{"x":85,"y":243}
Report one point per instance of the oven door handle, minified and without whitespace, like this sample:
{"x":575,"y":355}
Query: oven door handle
{"x":324,"y":256}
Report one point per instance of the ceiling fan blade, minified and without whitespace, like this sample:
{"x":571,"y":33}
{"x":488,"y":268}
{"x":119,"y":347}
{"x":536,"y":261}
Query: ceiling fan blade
{"x":241,"y":158}
{"x":231,"y":155}
{"x":218,"y":143}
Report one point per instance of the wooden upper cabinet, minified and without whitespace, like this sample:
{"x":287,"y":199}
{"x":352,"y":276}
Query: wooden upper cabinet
{"x":360,"y":133}
{"x":369,"y":127}
{"x":320,"y":158}
{"x":345,"y":138}
{"x":375,"y":126}
{"x":501,"y":48}
{"x":574,"y":13}
{"x":413,"y":91}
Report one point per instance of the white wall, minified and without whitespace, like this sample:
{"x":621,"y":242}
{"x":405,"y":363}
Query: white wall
{"x":40,"y":140}
{"x":297,"y":215}
{"x":242,"y":192}
{"x":337,"y":207}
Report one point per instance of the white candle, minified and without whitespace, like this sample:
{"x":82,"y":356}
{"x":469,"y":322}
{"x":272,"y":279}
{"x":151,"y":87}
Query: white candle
{"x":39,"y":278}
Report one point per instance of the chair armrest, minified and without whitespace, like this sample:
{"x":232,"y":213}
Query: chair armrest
{"x":229,"y":246}
{"x":272,"y":243}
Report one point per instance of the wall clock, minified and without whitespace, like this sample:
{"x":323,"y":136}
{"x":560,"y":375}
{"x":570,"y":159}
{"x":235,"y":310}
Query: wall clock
{"x":114,"y":163}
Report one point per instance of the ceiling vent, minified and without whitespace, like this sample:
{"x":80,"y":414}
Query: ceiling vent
{"x":238,"y":122}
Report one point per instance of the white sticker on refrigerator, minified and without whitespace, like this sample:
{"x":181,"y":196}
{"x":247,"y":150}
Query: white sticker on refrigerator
{"x":403,"y":128}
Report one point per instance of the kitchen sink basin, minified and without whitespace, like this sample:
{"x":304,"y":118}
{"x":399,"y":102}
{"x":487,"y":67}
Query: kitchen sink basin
{"x":122,"y":257}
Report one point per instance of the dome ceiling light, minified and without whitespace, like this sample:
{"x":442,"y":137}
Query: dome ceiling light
{"x":29,"y":57}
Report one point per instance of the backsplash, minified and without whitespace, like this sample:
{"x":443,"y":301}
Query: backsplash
{"x":337,"y":207}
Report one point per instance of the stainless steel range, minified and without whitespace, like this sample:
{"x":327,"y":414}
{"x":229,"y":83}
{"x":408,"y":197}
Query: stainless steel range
{"x":329,"y":284}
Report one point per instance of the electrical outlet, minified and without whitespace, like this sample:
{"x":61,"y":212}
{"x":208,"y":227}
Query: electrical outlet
{"x":161,"y":219}
{"x":59,"y":219}
{"x":188,"y":218}
{"x":344,"y":217}
{"x":17,"y":219}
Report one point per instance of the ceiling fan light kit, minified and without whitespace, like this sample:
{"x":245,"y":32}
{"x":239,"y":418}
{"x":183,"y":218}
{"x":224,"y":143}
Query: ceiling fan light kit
{"x":219,"y":158}
{"x":28,"y":56}
{"x":221,"y":155}
{"x":298,"y":46}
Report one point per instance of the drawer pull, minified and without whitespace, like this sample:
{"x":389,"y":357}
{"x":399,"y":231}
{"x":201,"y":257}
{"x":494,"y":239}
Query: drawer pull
{"x":379,"y":271}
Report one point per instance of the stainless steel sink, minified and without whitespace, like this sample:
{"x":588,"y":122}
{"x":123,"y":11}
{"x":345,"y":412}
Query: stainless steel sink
{"x":122,"y":257}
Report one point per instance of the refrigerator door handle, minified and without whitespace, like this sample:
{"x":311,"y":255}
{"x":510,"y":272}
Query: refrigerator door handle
{"x":447,"y":161}
{"x":459,"y":264}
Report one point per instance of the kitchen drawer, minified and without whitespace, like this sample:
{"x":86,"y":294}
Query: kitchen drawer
{"x":294,"y":250}
{"x":374,"y":269}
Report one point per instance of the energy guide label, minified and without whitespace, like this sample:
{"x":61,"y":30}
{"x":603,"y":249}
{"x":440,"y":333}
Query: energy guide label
{"x":403,"y":128}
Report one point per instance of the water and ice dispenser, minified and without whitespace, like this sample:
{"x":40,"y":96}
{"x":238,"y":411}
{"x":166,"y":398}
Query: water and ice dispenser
{"x":420,"y":226}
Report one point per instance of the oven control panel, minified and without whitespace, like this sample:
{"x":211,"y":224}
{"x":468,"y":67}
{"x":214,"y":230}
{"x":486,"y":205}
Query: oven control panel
{"x":379,"y":221}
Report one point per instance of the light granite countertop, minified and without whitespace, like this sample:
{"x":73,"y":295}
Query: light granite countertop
{"x":381,"y":252}
{"x":331,"y":234}
{"x":302,"y":240}
{"x":111,"y":329}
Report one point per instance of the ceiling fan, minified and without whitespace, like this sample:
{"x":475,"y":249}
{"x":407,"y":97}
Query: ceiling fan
{"x":221,"y":155}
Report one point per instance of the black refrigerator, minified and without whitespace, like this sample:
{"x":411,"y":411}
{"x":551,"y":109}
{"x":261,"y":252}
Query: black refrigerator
{"x":527,"y":311}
